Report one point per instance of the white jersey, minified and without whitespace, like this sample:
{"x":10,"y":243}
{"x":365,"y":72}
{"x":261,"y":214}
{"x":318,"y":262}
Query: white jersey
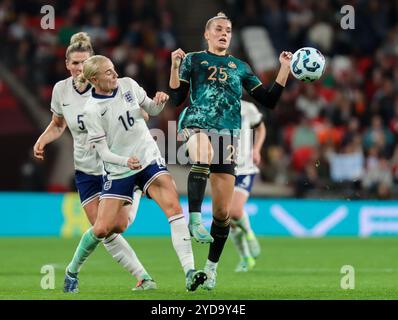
{"x":251,"y":117}
{"x":68,"y":103}
{"x":118,"y":120}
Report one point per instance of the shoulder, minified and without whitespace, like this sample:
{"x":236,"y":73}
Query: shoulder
{"x":240,"y":63}
{"x":195,"y":54}
{"x":126,"y":81}
{"x":60,"y":86}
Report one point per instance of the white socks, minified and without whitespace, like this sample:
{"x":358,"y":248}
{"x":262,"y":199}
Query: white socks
{"x":244,"y":223}
{"x":134,"y":207}
{"x":182,"y":241}
{"x":121,"y":251}
{"x":211,"y":266}
{"x":240,"y":242}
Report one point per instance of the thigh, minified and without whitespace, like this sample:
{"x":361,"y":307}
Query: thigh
{"x":200,"y":148}
{"x":163,"y":190}
{"x":91,"y":210}
{"x":225,"y":153}
{"x":222,"y":189}
{"x":122,"y":218}
{"x":107,"y":220}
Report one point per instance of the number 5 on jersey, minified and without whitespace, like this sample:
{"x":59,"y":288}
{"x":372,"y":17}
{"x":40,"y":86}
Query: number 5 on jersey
{"x":80,"y":122}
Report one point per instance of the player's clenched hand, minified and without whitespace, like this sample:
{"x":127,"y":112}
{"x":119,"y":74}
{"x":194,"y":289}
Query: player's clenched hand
{"x":133,"y":163}
{"x":160,"y":97}
{"x":285,"y":58}
{"x":38,"y":150}
{"x":176,"y":58}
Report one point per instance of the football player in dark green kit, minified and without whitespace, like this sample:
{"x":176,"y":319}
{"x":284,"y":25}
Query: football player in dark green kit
{"x":211,"y":125}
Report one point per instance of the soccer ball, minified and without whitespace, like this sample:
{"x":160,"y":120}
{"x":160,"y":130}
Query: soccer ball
{"x":307,"y":64}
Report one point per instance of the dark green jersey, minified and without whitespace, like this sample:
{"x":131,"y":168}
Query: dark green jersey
{"x":215,"y":90}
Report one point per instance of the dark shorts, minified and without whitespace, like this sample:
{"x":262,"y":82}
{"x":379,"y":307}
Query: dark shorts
{"x":224,"y":147}
{"x":88,"y":186}
{"x":244,"y":183}
{"x":123,"y":188}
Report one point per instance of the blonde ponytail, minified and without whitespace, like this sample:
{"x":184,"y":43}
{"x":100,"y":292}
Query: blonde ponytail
{"x":79,"y":42}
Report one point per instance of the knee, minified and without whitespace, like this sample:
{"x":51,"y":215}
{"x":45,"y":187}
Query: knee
{"x":101,"y":231}
{"x":221,"y":213}
{"x":235,"y":212}
{"x":121,"y":225}
{"x":172,"y":208}
{"x":118,"y":229}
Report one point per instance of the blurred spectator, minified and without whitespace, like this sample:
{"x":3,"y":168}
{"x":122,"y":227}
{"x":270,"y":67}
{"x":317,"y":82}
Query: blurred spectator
{"x":310,"y":103}
{"x":378,"y":135}
{"x":377,"y":180}
{"x":348,"y":164}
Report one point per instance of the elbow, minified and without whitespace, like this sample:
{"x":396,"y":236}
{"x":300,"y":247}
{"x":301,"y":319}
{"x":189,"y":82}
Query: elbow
{"x":155,"y":110}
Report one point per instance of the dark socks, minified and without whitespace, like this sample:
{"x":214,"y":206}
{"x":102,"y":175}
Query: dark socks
{"x":219,"y":231}
{"x":197,"y":180}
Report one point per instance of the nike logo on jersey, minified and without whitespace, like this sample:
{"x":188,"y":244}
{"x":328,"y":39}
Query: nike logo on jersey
{"x":65,"y":104}
{"x":102,"y":114}
{"x":204,"y":62}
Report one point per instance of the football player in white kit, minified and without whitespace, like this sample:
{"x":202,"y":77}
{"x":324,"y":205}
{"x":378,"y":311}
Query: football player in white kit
{"x":67,"y":104}
{"x":131,"y":158}
{"x":249,"y":157}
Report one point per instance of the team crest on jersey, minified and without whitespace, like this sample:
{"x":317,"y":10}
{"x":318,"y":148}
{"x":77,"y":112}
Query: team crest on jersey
{"x":204,"y":62}
{"x":108,"y":185}
{"x":128,"y":96}
{"x":232,"y":65}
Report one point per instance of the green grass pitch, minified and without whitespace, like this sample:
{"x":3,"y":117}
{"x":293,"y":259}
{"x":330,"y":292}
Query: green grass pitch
{"x":288,"y":268}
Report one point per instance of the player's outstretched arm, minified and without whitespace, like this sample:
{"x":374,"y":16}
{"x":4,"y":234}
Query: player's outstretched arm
{"x":53,"y":131}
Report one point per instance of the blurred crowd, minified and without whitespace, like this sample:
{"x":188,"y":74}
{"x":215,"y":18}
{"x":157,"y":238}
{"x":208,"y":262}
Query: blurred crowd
{"x":335,"y":137}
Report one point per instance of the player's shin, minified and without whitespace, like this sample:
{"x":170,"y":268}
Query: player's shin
{"x":240,"y":242}
{"x":219,"y":231}
{"x":182,"y":241}
{"x":122,"y":252}
{"x":197,"y":180}
{"x":87,"y":245}
{"x":244,"y":224}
